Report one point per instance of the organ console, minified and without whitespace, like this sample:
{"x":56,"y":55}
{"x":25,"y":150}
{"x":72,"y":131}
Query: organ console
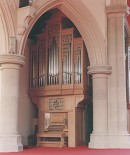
{"x":59,"y":83}
{"x":55,"y":130}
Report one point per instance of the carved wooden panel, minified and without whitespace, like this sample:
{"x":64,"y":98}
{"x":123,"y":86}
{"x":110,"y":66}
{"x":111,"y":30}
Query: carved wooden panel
{"x":54,"y":31}
{"x":41,"y":121}
{"x":78,"y":50}
{"x":56,"y":104}
{"x":57,"y":118}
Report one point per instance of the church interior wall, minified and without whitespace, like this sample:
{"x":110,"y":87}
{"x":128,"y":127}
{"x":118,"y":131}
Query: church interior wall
{"x":25,"y":105}
{"x":2,"y":35}
{"x":98,"y":12}
{"x":25,"y":115}
{"x":26,"y":111}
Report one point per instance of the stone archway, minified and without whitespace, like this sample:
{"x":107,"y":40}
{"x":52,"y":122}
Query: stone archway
{"x":7,"y":30}
{"x":87,"y":26}
{"x":37,"y":31}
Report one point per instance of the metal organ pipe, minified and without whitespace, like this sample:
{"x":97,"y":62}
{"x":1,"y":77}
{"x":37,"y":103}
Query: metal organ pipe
{"x":69,"y":57}
{"x":33,"y":68}
{"x":69,"y":65}
{"x":57,"y":63}
{"x":53,"y":63}
{"x":79,"y":64}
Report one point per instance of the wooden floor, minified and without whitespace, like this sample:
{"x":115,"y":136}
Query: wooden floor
{"x":70,"y":151}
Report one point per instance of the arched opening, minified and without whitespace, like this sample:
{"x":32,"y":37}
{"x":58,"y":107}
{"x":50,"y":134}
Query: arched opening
{"x":88,"y":27}
{"x":59,"y":81}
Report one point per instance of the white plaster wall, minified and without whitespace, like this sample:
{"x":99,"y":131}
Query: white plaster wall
{"x":13,"y":5}
{"x":25,"y":106}
{"x":98,"y":11}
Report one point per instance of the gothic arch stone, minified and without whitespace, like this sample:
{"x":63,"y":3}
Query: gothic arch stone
{"x":3,"y":34}
{"x":7,"y":26}
{"x":84,"y":21}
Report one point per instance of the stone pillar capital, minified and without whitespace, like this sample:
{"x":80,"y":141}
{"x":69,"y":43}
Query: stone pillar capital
{"x":117,"y":6}
{"x":99,"y":69}
{"x":116,"y":2}
{"x":12,"y":59}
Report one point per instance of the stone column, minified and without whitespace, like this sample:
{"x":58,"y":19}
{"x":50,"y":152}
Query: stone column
{"x":117,"y":107}
{"x":98,"y":138}
{"x":10,"y":140}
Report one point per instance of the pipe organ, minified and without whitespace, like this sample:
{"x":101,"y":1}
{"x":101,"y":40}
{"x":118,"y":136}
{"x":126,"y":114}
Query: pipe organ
{"x":67,"y":35}
{"x":53,"y":54}
{"x":41,"y":60}
{"x":59,"y":83}
{"x":33,"y":66}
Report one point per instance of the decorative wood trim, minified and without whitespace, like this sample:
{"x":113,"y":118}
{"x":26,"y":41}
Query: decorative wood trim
{"x":56,"y":103}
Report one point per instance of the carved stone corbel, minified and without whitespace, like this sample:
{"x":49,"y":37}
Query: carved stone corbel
{"x":25,"y":14}
{"x":13,"y":42}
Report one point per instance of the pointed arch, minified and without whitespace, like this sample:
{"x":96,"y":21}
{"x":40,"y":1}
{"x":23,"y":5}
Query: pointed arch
{"x":84,"y":21}
{"x":3,"y":34}
{"x":7,"y":25}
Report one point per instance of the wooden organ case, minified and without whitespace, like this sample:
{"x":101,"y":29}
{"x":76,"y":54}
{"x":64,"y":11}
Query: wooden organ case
{"x":58,"y":83}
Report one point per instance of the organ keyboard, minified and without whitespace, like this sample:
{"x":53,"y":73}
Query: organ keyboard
{"x":55,"y":127}
{"x":55,"y":134}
